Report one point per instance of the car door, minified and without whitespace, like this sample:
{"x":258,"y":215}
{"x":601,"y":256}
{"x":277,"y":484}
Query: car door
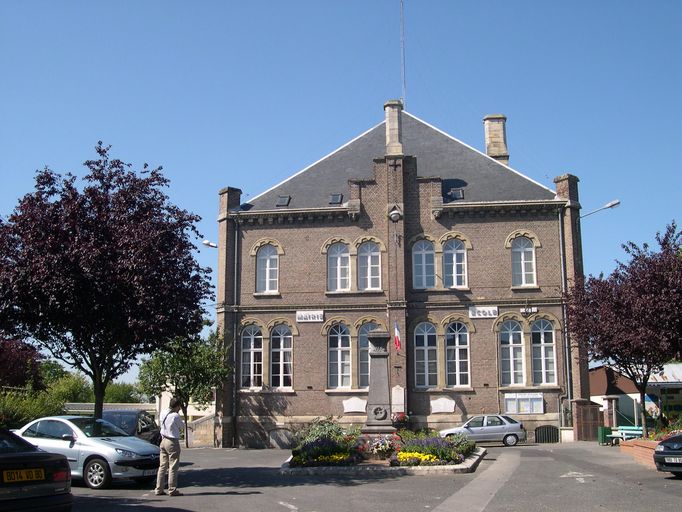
{"x":475,"y":429}
{"x":495,"y":428}
{"x":49,"y":435}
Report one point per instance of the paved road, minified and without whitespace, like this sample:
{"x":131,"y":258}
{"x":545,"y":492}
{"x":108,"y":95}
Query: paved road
{"x":572,"y":476}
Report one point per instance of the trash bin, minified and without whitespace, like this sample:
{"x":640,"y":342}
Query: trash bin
{"x":602,"y":432}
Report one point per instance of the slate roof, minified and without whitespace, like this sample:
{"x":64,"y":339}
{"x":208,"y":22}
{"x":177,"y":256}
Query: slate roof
{"x":481,"y":178}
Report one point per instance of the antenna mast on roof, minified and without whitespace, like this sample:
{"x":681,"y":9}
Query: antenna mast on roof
{"x":402,"y":53}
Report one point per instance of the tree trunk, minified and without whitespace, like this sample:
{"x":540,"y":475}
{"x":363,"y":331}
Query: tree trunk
{"x":98,"y":388}
{"x":642,"y":413}
{"x":184,"y":416}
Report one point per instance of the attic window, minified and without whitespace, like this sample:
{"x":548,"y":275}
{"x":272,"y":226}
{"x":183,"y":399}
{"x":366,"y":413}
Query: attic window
{"x":283,"y":200}
{"x":455,"y":193}
{"x":335,"y":198}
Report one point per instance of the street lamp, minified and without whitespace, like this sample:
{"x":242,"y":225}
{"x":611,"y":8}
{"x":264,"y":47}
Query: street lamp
{"x":208,"y":243}
{"x":610,"y":204}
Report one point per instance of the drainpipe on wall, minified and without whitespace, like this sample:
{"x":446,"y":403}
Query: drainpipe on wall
{"x":235,"y":337}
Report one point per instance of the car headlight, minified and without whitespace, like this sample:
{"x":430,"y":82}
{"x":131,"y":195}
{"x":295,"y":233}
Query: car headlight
{"x":660,"y":448}
{"x":126,"y":453}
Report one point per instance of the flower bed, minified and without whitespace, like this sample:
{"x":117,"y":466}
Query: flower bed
{"x":325,"y":443}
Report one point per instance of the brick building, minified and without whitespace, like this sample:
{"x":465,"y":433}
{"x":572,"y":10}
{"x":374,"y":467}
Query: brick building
{"x":406,"y":229}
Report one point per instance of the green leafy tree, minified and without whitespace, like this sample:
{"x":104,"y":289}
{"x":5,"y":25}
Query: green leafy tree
{"x":73,"y":387}
{"x":190,"y":369}
{"x":122,"y":393}
{"x":51,"y":371}
{"x":101,"y":274}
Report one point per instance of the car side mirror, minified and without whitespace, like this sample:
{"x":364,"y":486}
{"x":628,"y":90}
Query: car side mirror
{"x":69,"y":437}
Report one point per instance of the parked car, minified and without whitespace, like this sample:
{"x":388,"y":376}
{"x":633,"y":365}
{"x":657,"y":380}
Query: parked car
{"x":31,"y":479}
{"x":668,"y":455}
{"x":136,"y":423}
{"x":492,"y":427}
{"x":97,"y":450}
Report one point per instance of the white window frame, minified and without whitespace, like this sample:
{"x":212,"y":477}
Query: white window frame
{"x":363,"y":354}
{"x":512,"y":359}
{"x":338,"y":267}
{"x":281,"y":357}
{"x":457,"y":360}
{"x":369,"y":266}
{"x":455,"y":264}
{"x":544,"y":353}
{"x":338,"y":357}
{"x":267,"y":269}
{"x":523,"y":262}
{"x":425,"y":355}
{"x":423,"y":265}
{"x":252,"y":358}
{"x":524,"y":403}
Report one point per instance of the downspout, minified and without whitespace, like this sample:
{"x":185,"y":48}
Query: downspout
{"x":564,"y":313}
{"x":235,"y":338}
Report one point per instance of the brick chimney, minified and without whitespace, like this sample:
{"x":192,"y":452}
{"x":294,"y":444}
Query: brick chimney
{"x":394,"y":128}
{"x":496,"y":137}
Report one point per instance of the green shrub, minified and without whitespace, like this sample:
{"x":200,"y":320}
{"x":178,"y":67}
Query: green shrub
{"x":18,"y":408}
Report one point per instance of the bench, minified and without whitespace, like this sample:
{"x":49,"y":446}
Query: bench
{"x":624,"y":433}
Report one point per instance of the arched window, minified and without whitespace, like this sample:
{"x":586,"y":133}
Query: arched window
{"x":457,"y":354}
{"x":338,"y":268}
{"x":523,"y":262}
{"x":267,"y":269}
{"x":252,"y":357}
{"x":363,"y":354}
{"x":423,"y":265}
{"x":544,"y":363}
{"x":281,"y":344}
{"x":454,"y":264}
{"x":338,"y":342}
{"x":511,"y":353}
{"x":369,"y":266}
{"x":425,"y":355}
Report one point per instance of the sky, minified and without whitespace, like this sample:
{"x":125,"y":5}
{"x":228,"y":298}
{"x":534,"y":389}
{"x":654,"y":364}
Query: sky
{"x":247,"y":93}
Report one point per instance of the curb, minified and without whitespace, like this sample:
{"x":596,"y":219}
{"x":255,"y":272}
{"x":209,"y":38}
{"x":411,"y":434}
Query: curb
{"x":468,"y":466}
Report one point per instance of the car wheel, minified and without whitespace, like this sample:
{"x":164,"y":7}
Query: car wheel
{"x":510,"y":440}
{"x":96,"y":474}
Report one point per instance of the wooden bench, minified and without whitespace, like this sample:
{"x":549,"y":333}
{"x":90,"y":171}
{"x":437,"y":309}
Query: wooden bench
{"x":624,"y":433}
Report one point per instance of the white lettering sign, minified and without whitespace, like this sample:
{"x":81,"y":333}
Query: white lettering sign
{"x":309,"y":316}
{"x":483,"y":312}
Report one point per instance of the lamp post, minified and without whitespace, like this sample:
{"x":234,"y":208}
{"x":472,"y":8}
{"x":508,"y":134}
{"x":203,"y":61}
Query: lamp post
{"x":610,"y":204}
{"x":210,"y":244}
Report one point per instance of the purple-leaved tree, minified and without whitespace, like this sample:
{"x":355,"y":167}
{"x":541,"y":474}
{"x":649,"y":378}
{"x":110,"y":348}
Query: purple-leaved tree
{"x":100,"y":275}
{"x":632,"y":319}
{"x":20,"y":364}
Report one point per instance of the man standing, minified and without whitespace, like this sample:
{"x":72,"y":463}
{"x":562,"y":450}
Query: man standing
{"x":171,"y":423}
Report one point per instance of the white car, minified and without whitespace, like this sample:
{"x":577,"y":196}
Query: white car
{"x":97,"y":451}
{"x":492,"y":427}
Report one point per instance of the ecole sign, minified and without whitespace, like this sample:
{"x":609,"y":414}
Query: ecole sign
{"x":483,"y":312}
{"x":309,"y":316}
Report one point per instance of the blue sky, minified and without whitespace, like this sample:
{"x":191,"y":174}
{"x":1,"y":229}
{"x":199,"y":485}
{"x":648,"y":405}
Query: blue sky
{"x":244,"y":94}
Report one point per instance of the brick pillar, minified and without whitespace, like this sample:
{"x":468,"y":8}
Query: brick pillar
{"x":227,"y":295}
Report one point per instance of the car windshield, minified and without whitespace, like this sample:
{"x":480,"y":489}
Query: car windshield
{"x":510,"y":420}
{"x":124,"y":420}
{"x":10,"y":443}
{"x":98,"y":428}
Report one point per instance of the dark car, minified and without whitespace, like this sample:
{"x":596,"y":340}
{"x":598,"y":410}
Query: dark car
{"x":31,"y":479}
{"x":136,"y":423}
{"x":668,"y":455}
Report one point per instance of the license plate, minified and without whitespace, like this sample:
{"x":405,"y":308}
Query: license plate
{"x":673,"y":460}
{"x":149,"y":472}
{"x":22,"y":475}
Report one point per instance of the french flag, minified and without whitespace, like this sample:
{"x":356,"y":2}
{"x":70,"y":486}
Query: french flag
{"x":396,"y":336}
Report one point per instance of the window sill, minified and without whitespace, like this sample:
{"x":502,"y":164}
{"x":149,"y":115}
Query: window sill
{"x":442,"y":290}
{"x":346,"y":391}
{"x":355,"y":292}
{"x":528,"y":287}
{"x":267,"y":391}
{"x":530,"y":389}
{"x":267,"y":294}
{"x":463,"y":389}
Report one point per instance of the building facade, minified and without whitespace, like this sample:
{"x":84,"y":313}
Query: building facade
{"x":461,"y":258}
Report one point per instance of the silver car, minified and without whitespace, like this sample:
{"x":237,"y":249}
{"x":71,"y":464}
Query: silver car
{"x":97,"y":451}
{"x":492,"y":427}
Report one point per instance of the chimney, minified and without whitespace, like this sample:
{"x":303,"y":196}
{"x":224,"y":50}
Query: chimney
{"x":496,"y":138}
{"x":394,"y":128}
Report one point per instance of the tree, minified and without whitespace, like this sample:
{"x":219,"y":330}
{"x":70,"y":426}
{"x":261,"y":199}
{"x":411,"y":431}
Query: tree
{"x":633,"y":318}
{"x":73,"y":387}
{"x":122,"y":393}
{"x":20,"y":364}
{"x":51,"y":371}
{"x":190,"y":369}
{"x":101,"y":275}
